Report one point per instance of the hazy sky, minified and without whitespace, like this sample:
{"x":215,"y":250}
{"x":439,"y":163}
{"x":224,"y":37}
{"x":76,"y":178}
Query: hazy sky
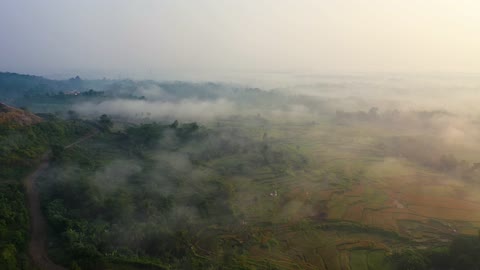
{"x":145,"y":36}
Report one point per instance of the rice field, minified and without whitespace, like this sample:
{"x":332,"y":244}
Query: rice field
{"x":351,"y":205}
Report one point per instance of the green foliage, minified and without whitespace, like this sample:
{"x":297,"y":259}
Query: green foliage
{"x":13,"y":226}
{"x":411,"y":260}
{"x":8,"y":259}
{"x":145,"y":218}
{"x":157,"y":213}
{"x":105,"y":122}
{"x":20,"y":147}
{"x":463,"y":253}
{"x":143,"y":136}
{"x":90,"y":219}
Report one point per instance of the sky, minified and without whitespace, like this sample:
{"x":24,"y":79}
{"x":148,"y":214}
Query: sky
{"x":149,"y":37}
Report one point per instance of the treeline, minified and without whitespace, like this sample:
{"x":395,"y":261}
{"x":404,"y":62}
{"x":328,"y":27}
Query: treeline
{"x":249,"y":154}
{"x":463,"y":253}
{"x":422,"y":119}
{"x":428,"y":152}
{"x":21,"y":146}
{"x":41,"y":94}
{"x":64,"y":94}
{"x":13,"y":85}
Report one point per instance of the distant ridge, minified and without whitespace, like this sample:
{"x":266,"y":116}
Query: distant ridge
{"x":14,"y":85}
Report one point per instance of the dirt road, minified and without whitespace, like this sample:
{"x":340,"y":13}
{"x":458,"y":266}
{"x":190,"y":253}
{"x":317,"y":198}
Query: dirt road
{"x":37,"y":247}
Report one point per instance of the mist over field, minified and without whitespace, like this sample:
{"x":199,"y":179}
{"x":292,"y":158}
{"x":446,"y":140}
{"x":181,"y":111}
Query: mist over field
{"x":455,"y":93}
{"x":323,"y":171}
{"x":293,"y":134}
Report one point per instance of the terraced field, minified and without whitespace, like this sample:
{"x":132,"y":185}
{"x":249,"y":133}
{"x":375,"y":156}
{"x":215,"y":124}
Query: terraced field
{"x":351,"y":205}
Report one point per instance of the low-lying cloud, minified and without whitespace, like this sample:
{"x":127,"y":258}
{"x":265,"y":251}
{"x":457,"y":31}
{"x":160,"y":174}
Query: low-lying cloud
{"x":185,"y":110}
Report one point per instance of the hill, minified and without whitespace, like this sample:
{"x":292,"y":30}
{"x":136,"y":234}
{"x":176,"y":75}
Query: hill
{"x":11,"y":116}
{"x":13,"y":85}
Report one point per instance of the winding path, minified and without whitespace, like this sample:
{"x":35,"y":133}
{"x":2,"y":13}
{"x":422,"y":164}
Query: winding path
{"x":37,"y":248}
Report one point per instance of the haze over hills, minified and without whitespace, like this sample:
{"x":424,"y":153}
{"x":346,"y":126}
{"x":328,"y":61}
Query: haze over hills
{"x":179,"y":174}
{"x":293,"y":134}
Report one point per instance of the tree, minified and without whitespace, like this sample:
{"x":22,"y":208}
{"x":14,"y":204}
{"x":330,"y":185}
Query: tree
{"x":105,"y":122}
{"x":174,"y":124}
{"x":57,"y":151}
{"x":72,"y":115}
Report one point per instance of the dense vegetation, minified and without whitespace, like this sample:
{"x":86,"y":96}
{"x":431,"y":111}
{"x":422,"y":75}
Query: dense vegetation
{"x":14,"y":224}
{"x":143,"y":195}
{"x":461,"y":254}
{"x":21,"y":147}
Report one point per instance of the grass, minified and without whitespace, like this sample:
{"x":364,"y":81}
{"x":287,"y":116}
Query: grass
{"x":369,"y":260}
{"x":359,"y":260}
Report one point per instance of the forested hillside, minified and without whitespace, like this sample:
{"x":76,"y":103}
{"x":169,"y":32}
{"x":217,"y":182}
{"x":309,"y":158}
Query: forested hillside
{"x":153,"y":195}
{"x":24,"y":139}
